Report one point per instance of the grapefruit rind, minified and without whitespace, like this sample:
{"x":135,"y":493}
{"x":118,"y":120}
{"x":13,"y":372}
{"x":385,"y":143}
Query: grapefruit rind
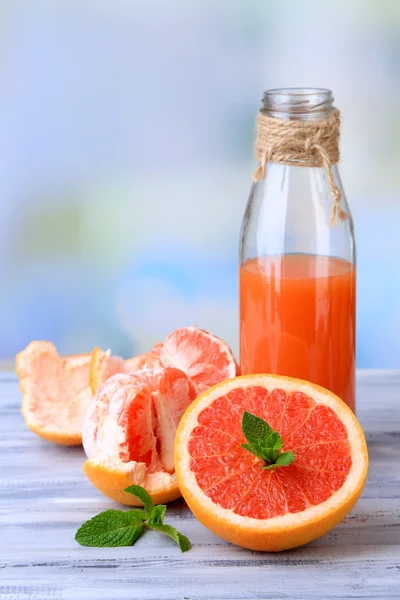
{"x":289,"y":530}
{"x":111,"y":480}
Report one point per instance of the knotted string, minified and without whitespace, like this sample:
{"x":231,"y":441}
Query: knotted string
{"x":301,"y":143}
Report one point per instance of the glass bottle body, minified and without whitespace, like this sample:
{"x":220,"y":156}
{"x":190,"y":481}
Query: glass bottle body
{"x":297,"y":281}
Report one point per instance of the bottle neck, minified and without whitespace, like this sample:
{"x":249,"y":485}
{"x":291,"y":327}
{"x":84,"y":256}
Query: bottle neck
{"x":300,"y":104}
{"x":300,"y":127}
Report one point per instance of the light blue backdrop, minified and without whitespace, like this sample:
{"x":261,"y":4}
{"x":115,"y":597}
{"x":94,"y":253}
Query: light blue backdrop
{"x":126,"y":160}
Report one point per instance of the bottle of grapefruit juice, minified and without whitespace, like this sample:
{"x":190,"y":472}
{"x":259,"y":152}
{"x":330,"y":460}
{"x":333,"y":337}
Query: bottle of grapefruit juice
{"x":297,"y":270}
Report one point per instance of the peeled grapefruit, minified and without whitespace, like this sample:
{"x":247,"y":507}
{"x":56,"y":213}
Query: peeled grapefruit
{"x":232,"y":493}
{"x":129,"y":430}
{"x":56,"y":392}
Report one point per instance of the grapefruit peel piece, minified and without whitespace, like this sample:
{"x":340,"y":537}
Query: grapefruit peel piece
{"x":56,"y":392}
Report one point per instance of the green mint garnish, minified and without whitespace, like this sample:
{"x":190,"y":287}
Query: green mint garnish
{"x":264,"y":442}
{"x":113,"y":528}
{"x":141,"y":494}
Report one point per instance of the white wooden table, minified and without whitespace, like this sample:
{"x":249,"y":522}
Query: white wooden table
{"x":44,"y":497}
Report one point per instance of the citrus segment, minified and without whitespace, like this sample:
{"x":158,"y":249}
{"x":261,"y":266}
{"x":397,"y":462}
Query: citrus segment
{"x":204,"y":357}
{"x":130,"y":427}
{"x":226,"y":486}
{"x":136,"y":419}
{"x":56,"y":392}
{"x":173,"y":393}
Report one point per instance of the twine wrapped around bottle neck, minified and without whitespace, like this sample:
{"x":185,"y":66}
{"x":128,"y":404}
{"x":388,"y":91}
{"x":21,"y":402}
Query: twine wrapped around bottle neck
{"x":303,"y":144}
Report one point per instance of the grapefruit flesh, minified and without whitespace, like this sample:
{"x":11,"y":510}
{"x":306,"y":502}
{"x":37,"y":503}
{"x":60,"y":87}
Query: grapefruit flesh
{"x":226,"y":486}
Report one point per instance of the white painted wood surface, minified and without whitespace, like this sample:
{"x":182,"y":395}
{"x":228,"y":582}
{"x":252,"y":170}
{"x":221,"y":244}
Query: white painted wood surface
{"x":44,"y":497}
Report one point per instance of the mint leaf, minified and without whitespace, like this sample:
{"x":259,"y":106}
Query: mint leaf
{"x":254,"y":428}
{"x":157,"y":515}
{"x":140,"y":493}
{"x":112,"y":528}
{"x":269,"y":454}
{"x":156,"y":522}
{"x":181,"y":540}
{"x":285,"y":459}
{"x":264,"y":442}
{"x":258,"y":448}
{"x":119,"y":528}
{"x":274,"y":441}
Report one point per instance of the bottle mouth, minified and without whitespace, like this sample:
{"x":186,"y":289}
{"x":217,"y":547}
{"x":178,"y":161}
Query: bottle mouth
{"x":298,"y":103}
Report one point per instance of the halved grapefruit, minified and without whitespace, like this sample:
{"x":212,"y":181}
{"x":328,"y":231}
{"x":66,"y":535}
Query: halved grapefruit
{"x":56,"y":392}
{"x":129,"y":430}
{"x":232,"y":493}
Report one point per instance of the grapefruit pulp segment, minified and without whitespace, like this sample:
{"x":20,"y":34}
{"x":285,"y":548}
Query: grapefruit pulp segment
{"x":204,"y":357}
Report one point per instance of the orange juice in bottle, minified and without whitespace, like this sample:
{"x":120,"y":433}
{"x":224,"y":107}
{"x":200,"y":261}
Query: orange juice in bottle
{"x":297,"y":254}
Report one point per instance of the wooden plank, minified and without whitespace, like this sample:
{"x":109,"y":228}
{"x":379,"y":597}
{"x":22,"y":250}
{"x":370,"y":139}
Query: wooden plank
{"x":44,"y":497}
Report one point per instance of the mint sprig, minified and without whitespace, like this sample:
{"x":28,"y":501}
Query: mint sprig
{"x":113,"y":528}
{"x":264,"y":442}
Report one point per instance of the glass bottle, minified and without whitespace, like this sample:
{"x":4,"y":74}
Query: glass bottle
{"x":297,"y":270}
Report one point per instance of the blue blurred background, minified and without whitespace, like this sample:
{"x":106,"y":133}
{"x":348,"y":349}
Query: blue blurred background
{"x":126,"y":160}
